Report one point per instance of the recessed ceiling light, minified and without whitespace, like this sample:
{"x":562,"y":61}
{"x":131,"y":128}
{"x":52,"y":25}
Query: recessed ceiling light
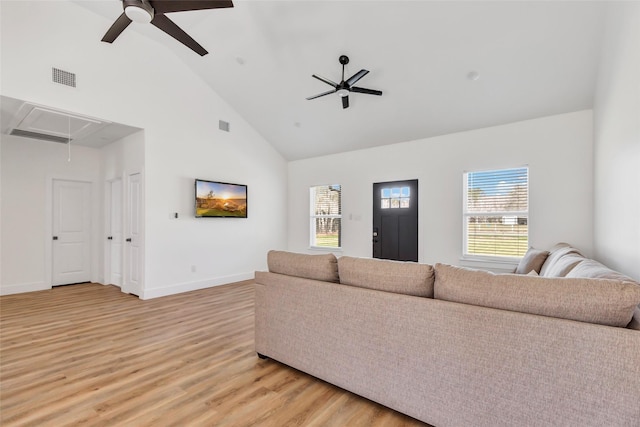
{"x":473,"y":75}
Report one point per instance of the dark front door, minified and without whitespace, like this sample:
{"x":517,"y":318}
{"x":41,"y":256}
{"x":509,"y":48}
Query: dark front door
{"x":395,"y":220}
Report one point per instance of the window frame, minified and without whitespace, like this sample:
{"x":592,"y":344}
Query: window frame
{"x":313,"y":217}
{"x":491,"y":259}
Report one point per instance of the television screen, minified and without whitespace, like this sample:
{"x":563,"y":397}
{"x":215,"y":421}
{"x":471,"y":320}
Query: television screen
{"x":220,"y":200}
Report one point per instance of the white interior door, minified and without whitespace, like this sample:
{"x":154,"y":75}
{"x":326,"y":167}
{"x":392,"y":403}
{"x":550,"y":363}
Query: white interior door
{"x":115,"y":236}
{"x":71,"y":250}
{"x":133,"y":241}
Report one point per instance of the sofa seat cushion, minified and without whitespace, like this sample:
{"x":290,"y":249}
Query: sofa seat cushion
{"x":602,"y":301}
{"x":532,"y":261}
{"x":318,"y":267}
{"x":407,"y":278}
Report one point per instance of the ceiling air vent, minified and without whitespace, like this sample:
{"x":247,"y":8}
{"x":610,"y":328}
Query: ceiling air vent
{"x":63,"y":77}
{"x":37,"y":135}
{"x":222,"y":125}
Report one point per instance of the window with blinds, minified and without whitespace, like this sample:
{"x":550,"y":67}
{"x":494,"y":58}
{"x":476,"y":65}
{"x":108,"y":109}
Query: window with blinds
{"x":326,"y":216}
{"x":496,"y":213}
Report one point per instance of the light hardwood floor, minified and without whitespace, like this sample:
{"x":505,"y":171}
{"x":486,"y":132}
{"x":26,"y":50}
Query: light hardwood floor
{"x":91,"y":355}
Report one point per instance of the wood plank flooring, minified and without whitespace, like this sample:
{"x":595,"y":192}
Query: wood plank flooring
{"x":91,"y":355}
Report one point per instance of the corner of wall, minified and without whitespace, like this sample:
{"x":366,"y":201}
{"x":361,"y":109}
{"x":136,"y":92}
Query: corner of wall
{"x":616,"y":204}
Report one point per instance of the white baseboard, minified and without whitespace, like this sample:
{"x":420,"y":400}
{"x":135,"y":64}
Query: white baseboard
{"x":23,"y":287}
{"x":193,"y":286}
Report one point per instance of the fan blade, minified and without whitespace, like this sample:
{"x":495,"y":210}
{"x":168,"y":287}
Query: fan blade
{"x":329,"y":92}
{"x":169,"y":27}
{"x":327,"y":81}
{"x":357,"y":76}
{"x":118,"y":27}
{"x":345,"y":102}
{"x":167,"y":6}
{"x":368,"y":91}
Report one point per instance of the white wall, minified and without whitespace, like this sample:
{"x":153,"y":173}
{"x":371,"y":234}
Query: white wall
{"x":557,"y":149}
{"x":617,"y":142}
{"x":123,"y":156}
{"x":28,"y":168}
{"x":141,"y":83}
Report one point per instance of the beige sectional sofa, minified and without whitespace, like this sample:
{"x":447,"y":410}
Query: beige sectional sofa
{"x":459,"y":347}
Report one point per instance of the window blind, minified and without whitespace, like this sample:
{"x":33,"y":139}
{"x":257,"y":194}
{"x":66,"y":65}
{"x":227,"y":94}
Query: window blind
{"x":326,"y":216}
{"x":496,"y":213}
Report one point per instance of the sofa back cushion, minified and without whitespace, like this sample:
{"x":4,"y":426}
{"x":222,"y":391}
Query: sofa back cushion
{"x":407,"y":278}
{"x":318,"y":267}
{"x":564,"y":265}
{"x":553,"y":266}
{"x":602,"y":301}
{"x":595,"y":270}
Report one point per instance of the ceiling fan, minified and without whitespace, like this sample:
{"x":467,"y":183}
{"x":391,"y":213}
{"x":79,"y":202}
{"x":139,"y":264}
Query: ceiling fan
{"x":153,"y":11}
{"x":344,"y":87}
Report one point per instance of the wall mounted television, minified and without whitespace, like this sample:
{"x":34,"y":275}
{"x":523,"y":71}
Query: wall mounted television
{"x":220,"y":199}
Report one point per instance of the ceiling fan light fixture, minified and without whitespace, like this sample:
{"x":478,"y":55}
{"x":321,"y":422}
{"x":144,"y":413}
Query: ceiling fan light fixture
{"x":154,"y":12}
{"x":138,"y":14}
{"x":345,"y":86}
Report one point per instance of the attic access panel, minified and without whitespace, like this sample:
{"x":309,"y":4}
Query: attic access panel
{"x":40,"y":120}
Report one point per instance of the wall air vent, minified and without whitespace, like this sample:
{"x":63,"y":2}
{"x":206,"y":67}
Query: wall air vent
{"x":37,"y":135}
{"x":222,"y":125}
{"x":63,"y":77}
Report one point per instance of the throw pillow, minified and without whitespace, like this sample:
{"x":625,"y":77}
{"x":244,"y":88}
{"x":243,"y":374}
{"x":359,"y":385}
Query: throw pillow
{"x":407,"y":278}
{"x":318,"y":267}
{"x":601,"y":301}
{"x":532,"y":261}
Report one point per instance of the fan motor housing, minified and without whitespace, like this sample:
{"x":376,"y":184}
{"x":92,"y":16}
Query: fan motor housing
{"x":138,"y":11}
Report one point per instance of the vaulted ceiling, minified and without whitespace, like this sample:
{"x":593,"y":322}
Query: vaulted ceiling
{"x":443,"y":66}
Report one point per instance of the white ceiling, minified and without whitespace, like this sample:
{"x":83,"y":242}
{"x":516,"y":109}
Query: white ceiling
{"x":534,"y":58}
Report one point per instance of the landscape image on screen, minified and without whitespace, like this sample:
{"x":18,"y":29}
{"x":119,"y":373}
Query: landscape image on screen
{"x":218,"y":199}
